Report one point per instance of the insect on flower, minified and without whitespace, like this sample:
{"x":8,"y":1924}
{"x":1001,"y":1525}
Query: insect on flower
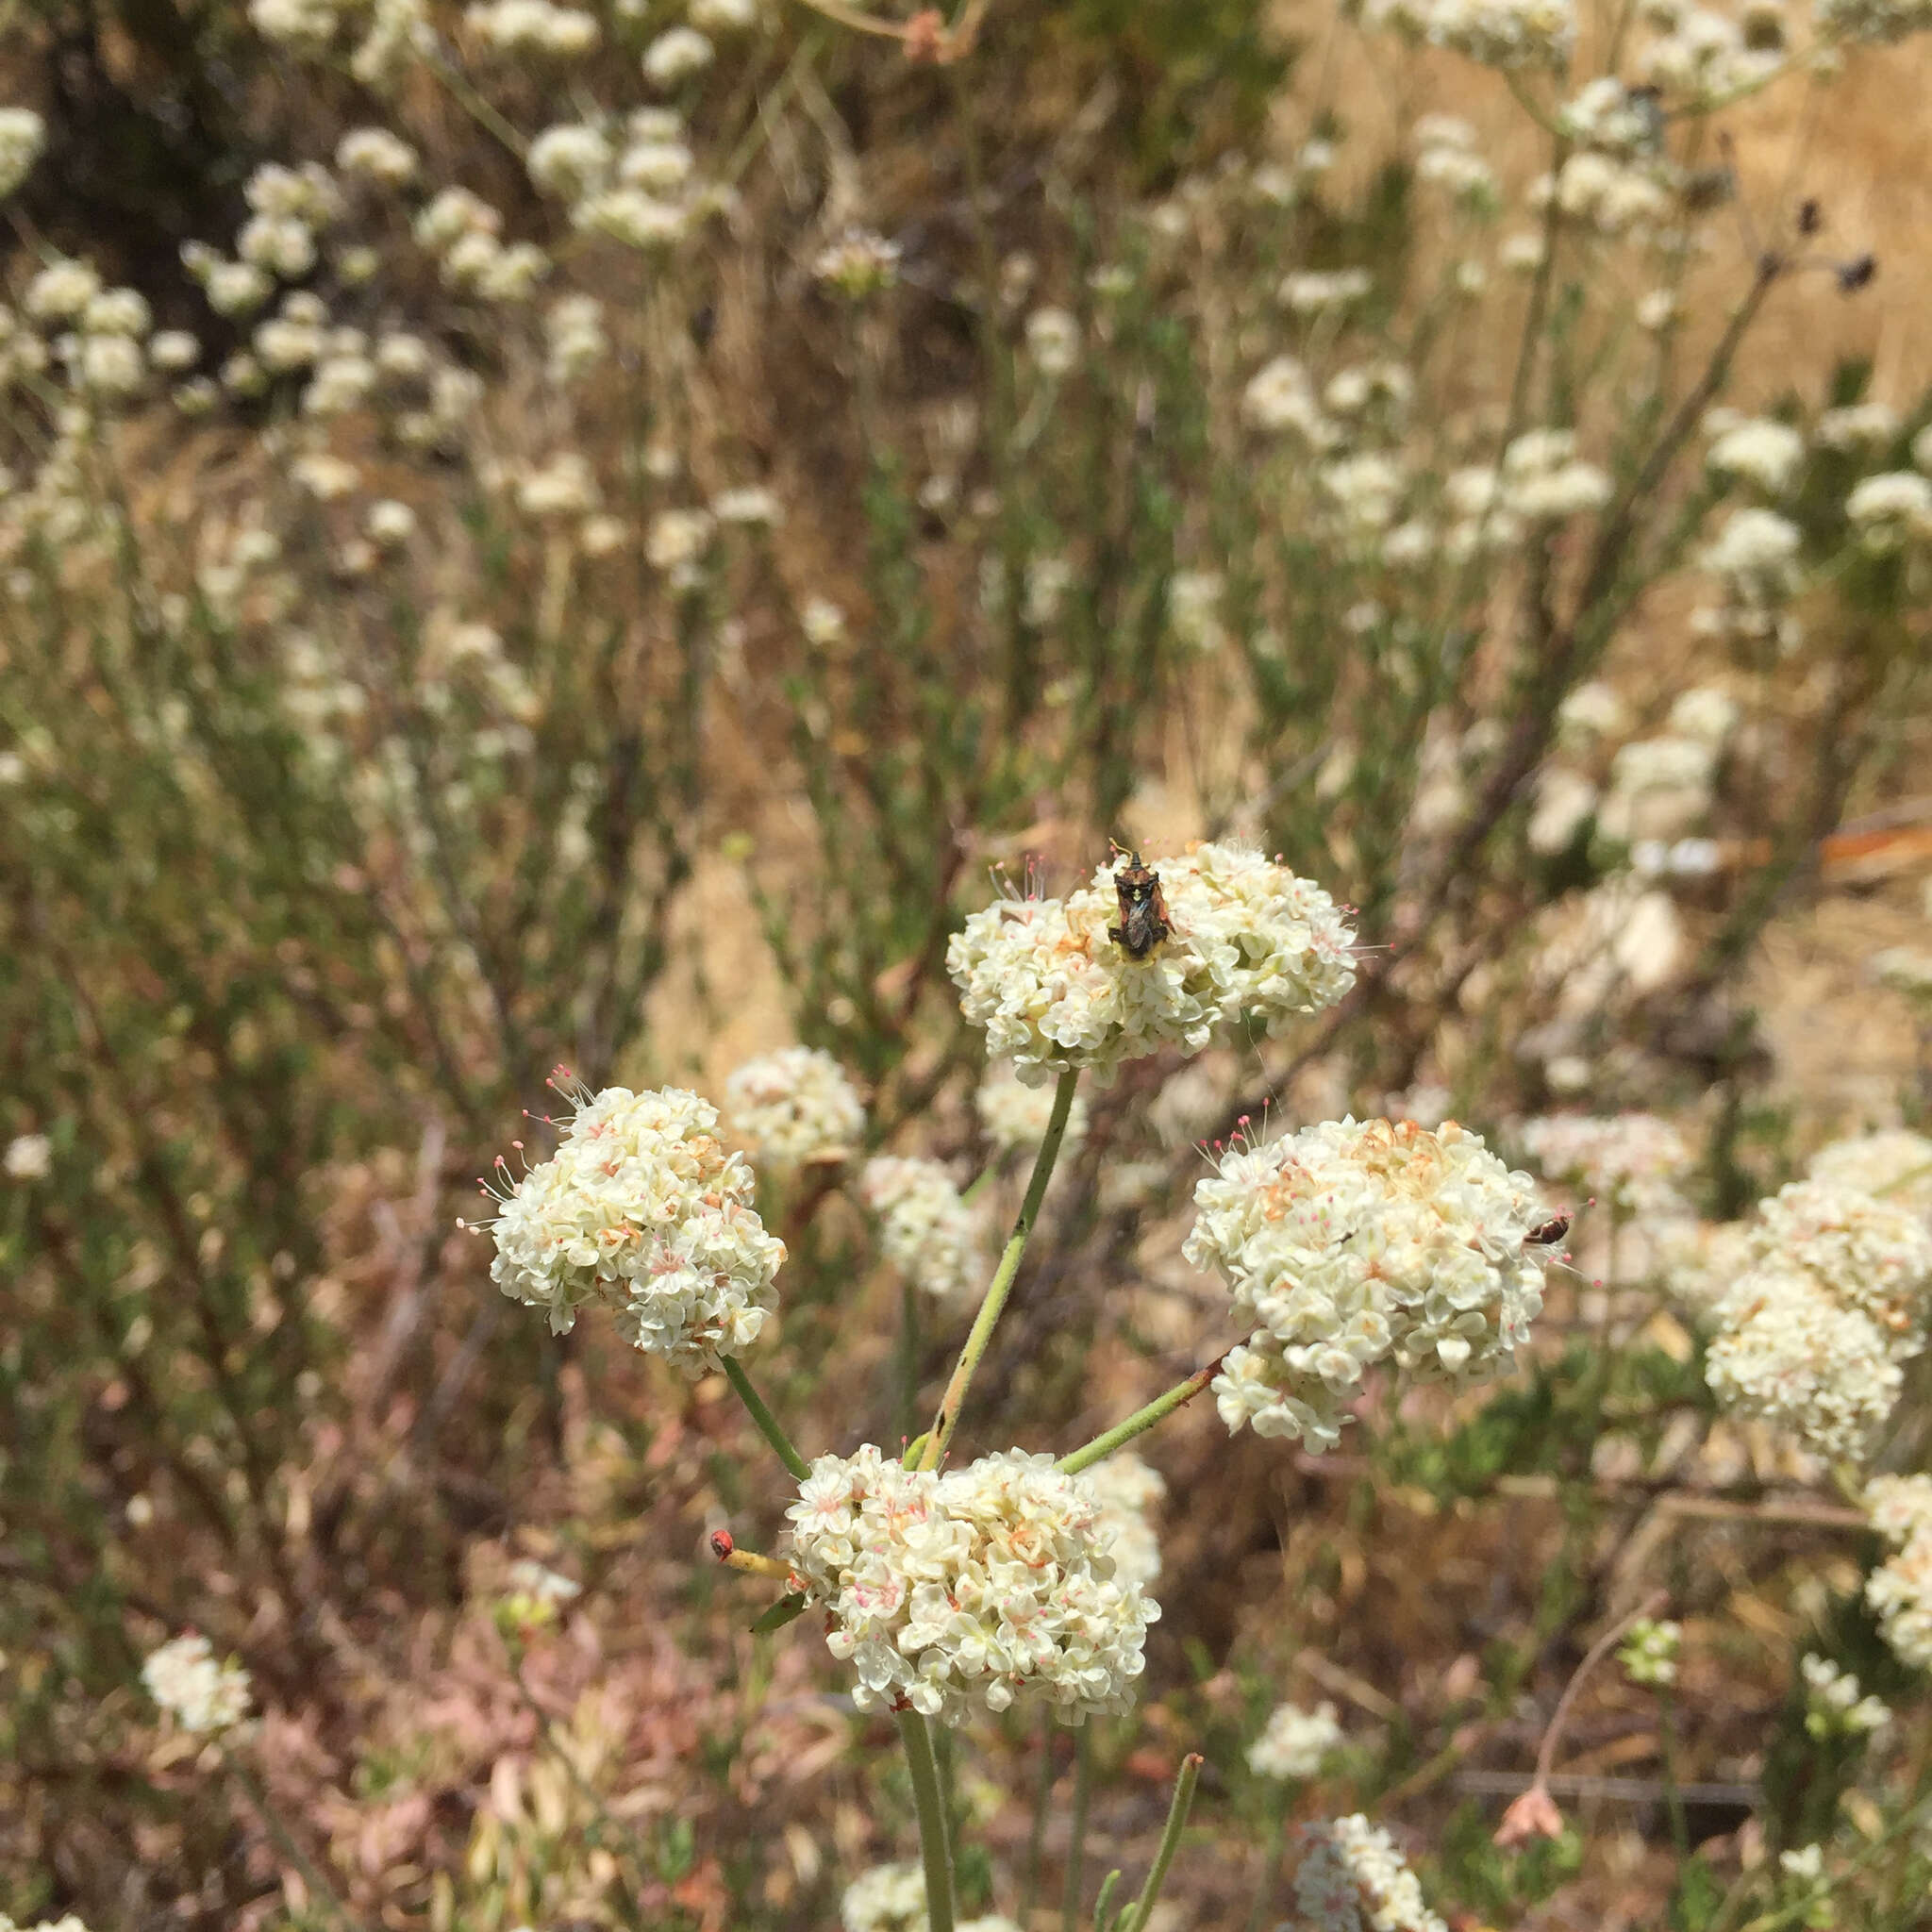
{"x":1551,"y":1232}
{"x":1143,"y":911}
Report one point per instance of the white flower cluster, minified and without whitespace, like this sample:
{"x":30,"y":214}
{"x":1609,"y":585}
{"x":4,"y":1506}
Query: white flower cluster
{"x":1649,"y":1650}
{"x":1899,"y":1591}
{"x":1759,"y":450}
{"x":29,"y":1157}
{"x":887,"y":1898}
{"x":200,"y":1694}
{"x":1126,"y":1489}
{"x":532,"y":26}
{"x":1506,"y":33}
{"x":926,"y":1229}
{"x":71,"y":1923}
{"x":1833,"y":1708}
{"x":1890,"y":509}
{"x":642,"y":1208}
{"x":1353,"y":1880}
{"x":1294,"y":1742}
{"x":1893,"y":1164}
{"x":1248,"y":939}
{"x":957,"y":1592}
{"x":857,"y":265}
{"x":1630,"y":1158}
{"x":1355,"y":1243}
{"x":891,"y":1898}
{"x":796,"y":1108}
{"x":23,"y":140}
{"x":1015,"y":1115}
{"x":1788,"y":1353}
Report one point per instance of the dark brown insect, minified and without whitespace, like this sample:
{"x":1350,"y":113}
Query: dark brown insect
{"x":1551,"y":1232}
{"x":1143,"y":911}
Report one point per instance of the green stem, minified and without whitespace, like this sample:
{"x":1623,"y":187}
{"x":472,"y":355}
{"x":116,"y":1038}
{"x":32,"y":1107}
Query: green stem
{"x":767,"y":1422}
{"x":1139,"y":1912}
{"x":1667,"y":1751}
{"x":1076,"y":1834}
{"x":318,"y":1886}
{"x":1142,"y":1420}
{"x":1036,"y":1837}
{"x":1002,"y":1284}
{"x":908,"y":1357}
{"x":1277,"y":1854}
{"x":935,"y":1845}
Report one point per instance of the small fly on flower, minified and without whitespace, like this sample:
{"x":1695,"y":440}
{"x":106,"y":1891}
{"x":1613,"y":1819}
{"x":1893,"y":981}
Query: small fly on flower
{"x":1143,"y":911}
{"x":1551,"y":1232}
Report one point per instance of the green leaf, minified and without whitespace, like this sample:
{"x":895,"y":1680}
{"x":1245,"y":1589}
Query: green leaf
{"x":785,"y":1610}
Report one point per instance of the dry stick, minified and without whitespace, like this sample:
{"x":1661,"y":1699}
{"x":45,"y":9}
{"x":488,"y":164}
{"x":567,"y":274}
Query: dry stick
{"x":1546,"y":1753}
{"x":1002,"y":1284}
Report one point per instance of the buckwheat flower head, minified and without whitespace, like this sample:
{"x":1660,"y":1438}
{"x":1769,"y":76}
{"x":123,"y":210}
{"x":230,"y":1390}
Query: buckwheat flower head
{"x":1787,"y":1353}
{"x":534,"y":26}
{"x":308,"y":26}
{"x":676,"y":55}
{"x":796,"y":1106}
{"x":173,"y":350}
{"x":562,"y":487}
{"x":1353,"y":1880}
{"x":748,"y":504}
{"x":661,"y":166}
{"x":200,"y":1694}
{"x":1649,"y":1650}
{"x":1888,"y":509}
{"x":29,"y":1157}
{"x":68,"y":1922}
{"x":570,"y":160}
{"x":889,"y":1898}
{"x":1294,"y":1742}
{"x":118,"y":312}
{"x":1280,"y":396}
{"x":1015,"y":1115}
{"x":1834,"y":1708}
{"x":1761,"y":451}
{"x":1312,"y":292}
{"x":859,"y":263}
{"x":1899,"y":1591}
{"x":1053,"y":340}
{"x":963,"y":1591}
{"x":642,"y":1208}
{"x":1893,"y":1164}
{"x":633,"y":217}
{"x":1870,"y":1254}
{"x":23,"y":140}
{"x":1126,"y":1490}
{"x":1757,"y":554}
{"x":677,"y":542}
{"x":1632,"y":1157}
{"x":1052,"y":991}
{"x":1857,"y":425}
{"x":1506,"y":33}
{"x":60,"y":291}
{"x":1354,"y":1243}
{"x":376,"y":154}
{"x":925,"y":1227}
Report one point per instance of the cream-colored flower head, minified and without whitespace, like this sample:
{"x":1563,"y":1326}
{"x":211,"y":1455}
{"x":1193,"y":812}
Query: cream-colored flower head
{"x":889,"y":1898}
{"x":1294,"y":1742}
{"x":796,"y":1106}
{"x":1355,"y":1243}
{"x":200,"y":1694}
{"x":925,"y":1227}
{"x":1632,"y":1157}
{"x":1127,"y":1490}
{"x":1787,"y":1353}
{"x":964,"y":1592}
{"x":642,"y":1208}
{"x":1870,"y":1254}
{"x":1353,"y":1880}
{"x":1899,"y":1591}
{"x":1249,"y":939}
{"x":1015,"y":1115}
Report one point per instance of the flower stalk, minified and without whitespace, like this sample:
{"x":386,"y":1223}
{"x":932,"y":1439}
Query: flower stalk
{"x":935,"y":1841}
{"x":767,"y":1422}
{"x":1142,"y":1420}
{"x":1002,"y":1284}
